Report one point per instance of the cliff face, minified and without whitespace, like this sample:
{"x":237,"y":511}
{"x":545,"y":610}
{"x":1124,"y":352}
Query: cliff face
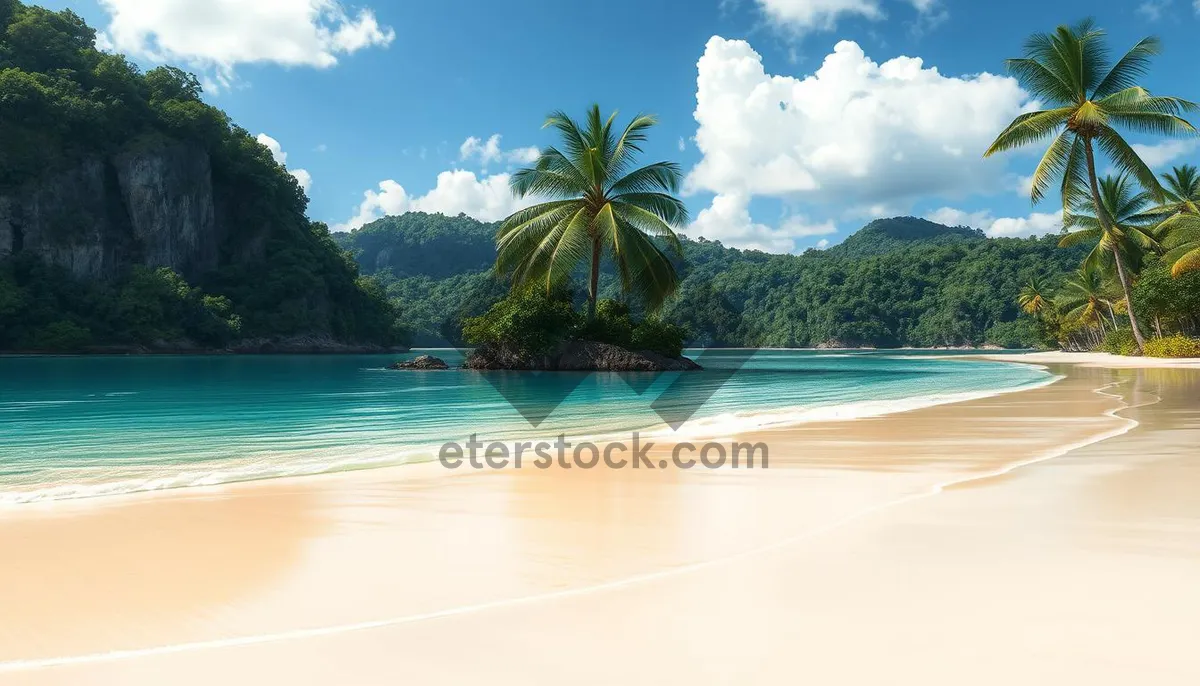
{"x":151,"y":206}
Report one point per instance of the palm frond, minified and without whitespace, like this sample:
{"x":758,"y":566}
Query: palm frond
{"x":1029,"y":128}
{"x":1127,"y":161}
{"x":667,"y":209}
{"x":660,"y":177}
{"x":1132,"y":66}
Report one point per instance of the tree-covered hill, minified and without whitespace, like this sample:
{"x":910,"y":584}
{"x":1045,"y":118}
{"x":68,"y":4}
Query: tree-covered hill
{"x":888,"y":235}
{"x":902,"y":282}
{"x":132,"y":213}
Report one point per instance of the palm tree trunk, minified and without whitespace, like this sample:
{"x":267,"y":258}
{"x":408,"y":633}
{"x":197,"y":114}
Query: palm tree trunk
{"x":1157,"y":327}
{"x":594,"y":280}
{"x":1106,"y":224}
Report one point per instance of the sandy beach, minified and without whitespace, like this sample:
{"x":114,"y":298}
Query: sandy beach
{"x":1046,"y":536}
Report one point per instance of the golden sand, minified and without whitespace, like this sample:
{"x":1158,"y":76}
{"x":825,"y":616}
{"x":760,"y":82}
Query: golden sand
{"x":1047,"y":536}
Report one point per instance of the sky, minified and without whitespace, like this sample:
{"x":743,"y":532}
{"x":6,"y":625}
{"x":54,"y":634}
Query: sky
{"x":795,"y":121}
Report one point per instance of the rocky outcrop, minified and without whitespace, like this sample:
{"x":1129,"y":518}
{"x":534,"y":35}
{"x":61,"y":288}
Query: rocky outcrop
{"x":421,"y":362}
{"x":578,"y":356}
{"x":152,"y":205}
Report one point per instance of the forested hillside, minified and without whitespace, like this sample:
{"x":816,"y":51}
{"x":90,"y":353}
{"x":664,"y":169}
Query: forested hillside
{"x":898,"y":282}
{"x":134,"y":214}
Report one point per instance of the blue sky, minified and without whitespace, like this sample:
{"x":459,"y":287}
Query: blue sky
{"x":796,"y":120}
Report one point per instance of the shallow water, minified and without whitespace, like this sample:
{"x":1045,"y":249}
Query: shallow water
{"x":86,"y":426}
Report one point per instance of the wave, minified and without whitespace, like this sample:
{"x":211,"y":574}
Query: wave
{"x":90,"y":482}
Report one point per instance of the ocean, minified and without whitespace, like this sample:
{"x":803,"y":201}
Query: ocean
{"x":90,"y":426}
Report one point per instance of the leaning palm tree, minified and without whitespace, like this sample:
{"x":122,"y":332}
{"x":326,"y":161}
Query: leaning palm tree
{"x":1034,"y":297}
{"x":1179,"y":231}
{"x":595,"y":206}
{"x":1122,"y":232}
{"x":1090,"y":96}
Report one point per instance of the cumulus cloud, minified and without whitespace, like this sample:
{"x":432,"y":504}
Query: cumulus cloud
{"x":486,"y":198}
{"x":852,"y":134}
{"x":218,"y":35}
{"x":809,"y":15}
{"x":1036,"y":224}
{"x":490,"y":151}
{"x":1159,"y":154}
{"x":728,"y":220}
{"x":302,"y":175}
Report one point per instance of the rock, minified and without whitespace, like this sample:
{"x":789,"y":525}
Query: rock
{"x":421,"y":362}
{"x":578,"y":356}
{"x":151,"y":206}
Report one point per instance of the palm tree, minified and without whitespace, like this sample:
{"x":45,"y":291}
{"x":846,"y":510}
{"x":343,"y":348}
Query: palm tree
{"x":1085,"y":297}
{"x":1125,"y":235}
{"x":1070,"y":70}
{"x":595,"y":206}
{"x":1033,"y":298}
{"x":1179,"y":231}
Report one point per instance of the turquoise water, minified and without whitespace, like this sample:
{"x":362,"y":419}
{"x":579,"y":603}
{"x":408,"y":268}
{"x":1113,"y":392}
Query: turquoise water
{"x":87,"y":426}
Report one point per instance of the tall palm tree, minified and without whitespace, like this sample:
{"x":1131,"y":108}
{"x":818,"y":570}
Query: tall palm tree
{"x":596,"y":205}
{"x":1034,"y":297}
{"x":1122,"y":231}
{"x":1179,"y":231}
{"x":1070,"y":70}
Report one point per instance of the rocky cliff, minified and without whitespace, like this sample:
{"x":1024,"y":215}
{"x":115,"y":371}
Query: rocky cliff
{"x":153,"y":205}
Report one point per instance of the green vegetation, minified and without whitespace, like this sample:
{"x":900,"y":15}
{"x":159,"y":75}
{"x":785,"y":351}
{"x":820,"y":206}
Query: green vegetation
{"x":1180,"y":229}
{"x":535,"y":322}
{"x":62,"y":102}
{"x":1070,"y":70}
{"x":597,"y":206}
{"x":947,"y":288}
{"x":1173,"y":346}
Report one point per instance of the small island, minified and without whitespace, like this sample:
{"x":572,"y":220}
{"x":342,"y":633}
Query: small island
{"x":421,"y":362}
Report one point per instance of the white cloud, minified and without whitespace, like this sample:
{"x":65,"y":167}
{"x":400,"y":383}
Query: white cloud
{"x":809,"y":15}
{"x":804,"y":15}
{"x":303,"y":178}
{"x":728,"y":220}
{"x":682,"y":144}
{"x":1152,"y":9}
{"x":1036,"y":224}
{"x":1025,"y":186}
{"x":854,"y":133}
{"x":485,"y":198}
{"x":219,"y":35}
{"x":490,"y":151}
{"x":302,"y":175}
{"x":1165,"y":152}
{"x":822,"y":244}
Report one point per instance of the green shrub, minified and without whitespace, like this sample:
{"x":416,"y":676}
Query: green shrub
{"x":612,"y":325}
{"x":1173,"y":346}
{"x":529,"y":321}
{"x":658,"y":336}
{"x":1119,"y":342}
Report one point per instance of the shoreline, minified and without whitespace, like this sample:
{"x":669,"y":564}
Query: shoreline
{"x":385,"y":572}
{"x":698,"y":429}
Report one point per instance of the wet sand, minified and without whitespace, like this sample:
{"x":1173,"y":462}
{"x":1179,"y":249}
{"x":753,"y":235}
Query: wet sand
{"x":1045,"y":536}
